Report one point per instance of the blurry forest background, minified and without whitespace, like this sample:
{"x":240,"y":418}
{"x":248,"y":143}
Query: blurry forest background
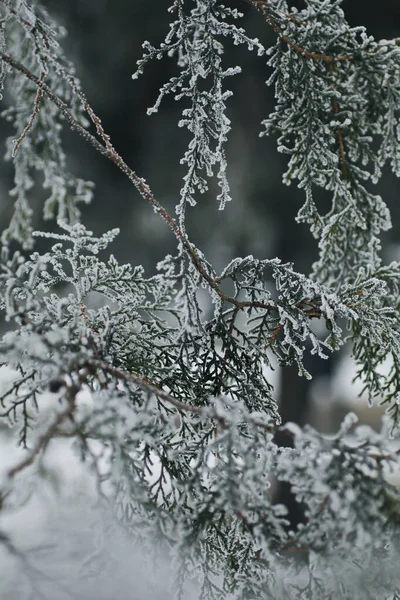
{"x":104,"y":41}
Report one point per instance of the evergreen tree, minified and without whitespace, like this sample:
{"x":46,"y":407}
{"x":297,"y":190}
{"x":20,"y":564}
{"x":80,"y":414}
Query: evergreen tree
{"x":181,"y":429}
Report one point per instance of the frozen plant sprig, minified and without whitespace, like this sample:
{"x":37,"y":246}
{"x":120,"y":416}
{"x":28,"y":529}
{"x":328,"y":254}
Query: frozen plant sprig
{"x":195,"y":39}
{"x":32,"y":37}
{"x":180,"y":424}
{"x":336,"y":91}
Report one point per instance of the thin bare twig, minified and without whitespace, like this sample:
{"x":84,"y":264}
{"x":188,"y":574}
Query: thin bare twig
{"x":36,"y":108}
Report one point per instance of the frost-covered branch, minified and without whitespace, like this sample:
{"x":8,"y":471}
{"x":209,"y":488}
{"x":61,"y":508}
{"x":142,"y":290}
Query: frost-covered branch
{"x":45,"y":437}
{"x":170,"y":405}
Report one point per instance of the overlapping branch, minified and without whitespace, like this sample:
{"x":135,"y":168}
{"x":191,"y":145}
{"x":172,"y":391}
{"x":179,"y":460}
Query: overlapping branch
{"x":106,"y":148}
{"x":263,"y":7}
{"x":142,"y":187}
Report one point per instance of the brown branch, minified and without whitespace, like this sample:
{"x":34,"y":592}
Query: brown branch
{"x":262,"y":3}
{"x":262,"y":8}
{"x":147,"y":386}
{"x":108,"y":151}
{"x":143,"y":383}
{"x":92,"y":365}
{"x":36,"y":108}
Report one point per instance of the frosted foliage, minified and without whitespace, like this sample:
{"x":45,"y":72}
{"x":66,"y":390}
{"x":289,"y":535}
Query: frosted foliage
{"x":330,"y":115}
{"x":31,"y":37}
{"x":160,"y":385}
{"x":195,"y":39}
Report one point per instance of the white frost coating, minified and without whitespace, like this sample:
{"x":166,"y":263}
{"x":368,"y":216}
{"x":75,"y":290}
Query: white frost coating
{"x":169,"y":401}
{"x":195,"y":39}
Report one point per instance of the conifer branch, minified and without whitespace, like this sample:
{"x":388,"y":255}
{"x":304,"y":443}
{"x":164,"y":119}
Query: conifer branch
{"x":143,"y":188}
{"x":39,"y":95}
{"x":49,"y":433}
{"x":151,"y":388}
{"x":263,"y":7}
{"x":178,"y":415}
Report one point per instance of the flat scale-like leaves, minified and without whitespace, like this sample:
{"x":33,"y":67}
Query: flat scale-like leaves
{"x":163,"y":383}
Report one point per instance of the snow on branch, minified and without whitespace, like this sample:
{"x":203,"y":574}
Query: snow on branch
{"x":171,"y":405}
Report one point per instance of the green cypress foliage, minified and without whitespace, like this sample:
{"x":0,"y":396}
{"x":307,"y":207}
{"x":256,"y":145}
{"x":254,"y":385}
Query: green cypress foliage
{"x":181,"y":410}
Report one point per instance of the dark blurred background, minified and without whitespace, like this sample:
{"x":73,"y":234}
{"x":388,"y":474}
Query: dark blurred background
{"x":104,"y":41}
